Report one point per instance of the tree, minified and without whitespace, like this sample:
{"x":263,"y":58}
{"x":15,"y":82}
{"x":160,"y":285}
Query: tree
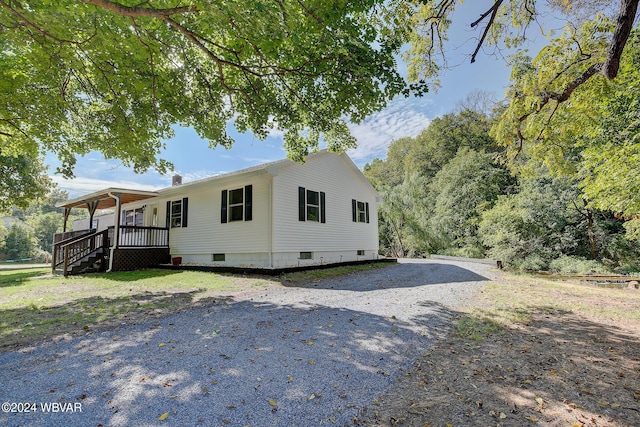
{"x":20,"y":242}
{"x":427,"y":23}
{"x":44,"y":227}
{"x":114,"y":76}
{"x":594,"y":138}
{"x":24,"y":179}
{"x":435,"y":146}
{"x":460,"y":192}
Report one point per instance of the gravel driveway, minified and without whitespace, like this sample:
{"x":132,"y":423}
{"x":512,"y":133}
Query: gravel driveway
{"x":309,"y":356}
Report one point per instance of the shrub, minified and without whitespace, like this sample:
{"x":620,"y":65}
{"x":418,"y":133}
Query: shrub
{"x":579,"y":265}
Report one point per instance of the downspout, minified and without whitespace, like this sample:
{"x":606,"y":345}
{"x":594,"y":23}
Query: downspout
{"x":116,"y":229}
{"x":270,"y":221}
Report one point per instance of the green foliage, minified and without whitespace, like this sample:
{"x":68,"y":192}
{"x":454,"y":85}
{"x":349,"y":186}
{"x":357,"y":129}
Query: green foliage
{"x":20,"y":242}
{"x":44,"y":227}
{"x":461,"y":191}
{"x":571,"y":264}
{"x":114,"y":77}
{"x":24,"y":178}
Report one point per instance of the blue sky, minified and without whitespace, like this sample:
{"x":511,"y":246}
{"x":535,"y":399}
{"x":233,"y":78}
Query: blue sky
{"x":193,"y":159}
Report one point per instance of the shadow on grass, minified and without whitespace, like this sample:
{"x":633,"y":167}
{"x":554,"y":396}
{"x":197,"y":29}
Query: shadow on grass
{"x":28,"y":325}
{"x":17,"y":278}
{"x":132,"y":276}
{"x":552,"y":368}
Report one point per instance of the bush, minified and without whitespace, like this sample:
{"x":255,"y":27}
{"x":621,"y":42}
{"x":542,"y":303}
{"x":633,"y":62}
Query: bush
{"x":579,"y":265}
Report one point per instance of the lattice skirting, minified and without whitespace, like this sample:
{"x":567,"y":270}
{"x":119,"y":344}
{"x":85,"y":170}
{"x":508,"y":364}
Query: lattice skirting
{"x":136,"y":258}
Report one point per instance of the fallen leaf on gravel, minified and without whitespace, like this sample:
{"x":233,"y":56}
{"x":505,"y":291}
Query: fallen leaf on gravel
{"x":163,"y":416}
{"x":173,"y":397}
{"x":615,"y":405}
{"x":312,"y":362}
{"x":503,"y":415}
{"x":273,"y":402}
{"x":532,"y":419}
{"x":539,"y":400}
{"x":161,"y":344}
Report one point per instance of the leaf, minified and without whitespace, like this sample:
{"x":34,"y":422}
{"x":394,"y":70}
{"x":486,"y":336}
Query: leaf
{"x":503,"y":415}
{"x":539,"y":400}
{"x":312,"y":362}
{"x":532,"y":419}
{"x":163,"y":416}
{"x":161,"y":344}
{"x":273,"y":402}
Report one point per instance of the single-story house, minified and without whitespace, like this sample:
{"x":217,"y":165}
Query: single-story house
{"x":272,"y":216}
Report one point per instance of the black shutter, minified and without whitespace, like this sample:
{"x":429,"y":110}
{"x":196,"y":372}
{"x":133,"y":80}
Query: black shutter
{"x":185,"y":211}
{"x":169,"y":214}
{"x":248,"y":202}
{"x":366,"y":207}
{"x":354,"y":210}
{"x":322,"y":210}
{"x":302,"y":204}
{"x":223,"y":207}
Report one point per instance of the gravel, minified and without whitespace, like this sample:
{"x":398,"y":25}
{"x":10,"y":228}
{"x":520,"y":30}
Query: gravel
{"x":305,"y":356}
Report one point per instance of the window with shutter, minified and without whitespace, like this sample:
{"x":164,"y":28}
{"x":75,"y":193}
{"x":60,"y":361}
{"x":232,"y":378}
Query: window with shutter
{"x":237,"y":204}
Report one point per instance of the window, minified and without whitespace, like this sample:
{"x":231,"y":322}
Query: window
{"x":177,"y":213}
{"x":237,"y":204}
{"x":133,"y":217}
{"x":359,"y":211}
{"x":360,"y":252}
{"x":218,"y":257}
{"x":306,"y":255}
{"x":311,"y":205}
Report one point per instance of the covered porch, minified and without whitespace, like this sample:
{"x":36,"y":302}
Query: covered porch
{"x":116,"y":247}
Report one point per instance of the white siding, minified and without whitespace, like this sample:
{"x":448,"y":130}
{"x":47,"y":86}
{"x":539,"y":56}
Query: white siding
{"x":333,"y":175}
{"x":205,"y":234}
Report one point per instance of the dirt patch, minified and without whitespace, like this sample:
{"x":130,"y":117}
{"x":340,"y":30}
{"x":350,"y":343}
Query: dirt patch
{"x":548,"y":354}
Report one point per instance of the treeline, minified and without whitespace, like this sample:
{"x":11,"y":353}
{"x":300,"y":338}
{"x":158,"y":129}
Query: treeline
{"x":30,"y":233}
{"x":450,"y":190}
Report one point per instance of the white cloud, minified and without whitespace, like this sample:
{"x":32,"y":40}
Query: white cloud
{"x":403,"y":117}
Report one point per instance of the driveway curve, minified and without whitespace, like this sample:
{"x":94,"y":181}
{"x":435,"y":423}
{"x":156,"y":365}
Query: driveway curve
{"x":306,"y":356}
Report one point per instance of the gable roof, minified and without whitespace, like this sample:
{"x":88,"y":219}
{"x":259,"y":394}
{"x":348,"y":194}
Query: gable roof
{"x":105,"y":201}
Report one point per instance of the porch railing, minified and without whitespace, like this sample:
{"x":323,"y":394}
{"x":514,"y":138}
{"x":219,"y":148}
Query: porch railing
{"x":69,"y":251}
{"x":132,"y":236}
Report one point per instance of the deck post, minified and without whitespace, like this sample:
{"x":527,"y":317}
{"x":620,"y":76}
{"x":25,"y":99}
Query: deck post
{"x":116,"y":227}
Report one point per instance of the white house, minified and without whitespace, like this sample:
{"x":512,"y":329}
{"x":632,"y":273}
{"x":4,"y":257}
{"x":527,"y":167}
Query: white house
{"x":276,"y":215}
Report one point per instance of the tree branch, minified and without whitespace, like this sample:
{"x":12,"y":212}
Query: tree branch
{"x":136,"y":11}
{"x":493,"y":10}
{"x":626,"y":17}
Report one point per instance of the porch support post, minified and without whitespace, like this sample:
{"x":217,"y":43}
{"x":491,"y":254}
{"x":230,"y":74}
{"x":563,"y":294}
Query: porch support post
{"x":66,"y":217}
{"x":116,"y":227}
{"x":91,"y":207}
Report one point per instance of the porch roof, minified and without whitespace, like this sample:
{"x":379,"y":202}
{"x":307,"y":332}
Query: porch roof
{"x":104,"y":199}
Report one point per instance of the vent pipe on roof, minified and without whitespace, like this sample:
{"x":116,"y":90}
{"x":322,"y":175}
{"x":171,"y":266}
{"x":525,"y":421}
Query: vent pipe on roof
{"x":176,"y":180}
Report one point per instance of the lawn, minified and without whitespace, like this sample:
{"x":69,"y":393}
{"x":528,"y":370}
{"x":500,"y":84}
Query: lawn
{"x":35,"y":305}
{"x":532,"y":352}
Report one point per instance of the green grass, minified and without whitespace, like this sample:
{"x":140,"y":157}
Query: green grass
{"x":35,"y":304}
{"x":310,"y":275}
{"x":517,"y":299}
